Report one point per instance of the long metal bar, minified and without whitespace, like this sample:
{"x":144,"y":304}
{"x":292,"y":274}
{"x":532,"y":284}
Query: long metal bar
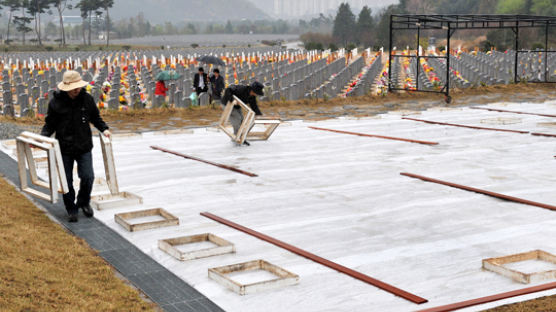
{"x":546,"y":54}
{"x":464,"y":126}
{"x":390,"y":58}
{"x":480,"y":191}
{"x":448,"y":37}
{"x":544,"y":134}
{"x":335,"y":266}
{"x":418,"y":58}
{"x":205,"y":161}
{"x":377,"y":136}
{"x":516,"y":51}
{"x":510,"y":111}
{"x":487,"y":299}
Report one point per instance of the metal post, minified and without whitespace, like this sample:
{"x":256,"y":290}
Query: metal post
{"x":390,"y":58}
{"x":546,"y":53}
{"x":516,"y":51}
{"x":448,"y":62}
{"x":418,"y":58}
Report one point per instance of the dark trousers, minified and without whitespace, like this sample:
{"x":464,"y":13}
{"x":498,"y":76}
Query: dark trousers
{"x":201,"y":90}
{"x":86,"y":177}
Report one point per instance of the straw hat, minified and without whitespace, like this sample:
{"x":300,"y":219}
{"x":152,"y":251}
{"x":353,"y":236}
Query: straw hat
{"x":71,"y":80}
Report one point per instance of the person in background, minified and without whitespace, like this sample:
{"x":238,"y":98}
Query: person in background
{"x":70,"y":112}
{"x":217,"y":84}
{"x":200,"y":81}
{"x":160,"y":88}
{"x":248,"y":95}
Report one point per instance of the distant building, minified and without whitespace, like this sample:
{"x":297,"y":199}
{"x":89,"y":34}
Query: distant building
{"x":298,"y":8}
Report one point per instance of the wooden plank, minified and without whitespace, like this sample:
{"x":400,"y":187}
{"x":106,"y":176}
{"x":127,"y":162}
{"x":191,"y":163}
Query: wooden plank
{"x":342,"y":269}
{"x":61,"y":170}
{"x":465,"y":126}
{"x":52,"y":176}
{"x":20,"y":146}
{"x":205,"y":161}
{"x":376,"y":136}
{"x":36,"y":193}
{"x":480,"y":191}
{"x":109,"y":164}
{"x":510,"y":111}
{"x":492,"y":298}
{"x":32,"y":166}
{"x":544,"y":134}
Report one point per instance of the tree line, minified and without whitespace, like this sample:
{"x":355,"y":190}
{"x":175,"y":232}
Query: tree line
{"x":372,"y":30}
{"x":25,"y":16}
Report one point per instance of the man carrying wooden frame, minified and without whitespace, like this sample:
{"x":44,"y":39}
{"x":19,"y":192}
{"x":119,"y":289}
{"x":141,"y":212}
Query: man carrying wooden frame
{"x":246,"y":94}
{"x":69,"y":115}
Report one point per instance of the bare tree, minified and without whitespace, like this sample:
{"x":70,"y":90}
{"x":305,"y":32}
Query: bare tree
{"x":61,"y":5}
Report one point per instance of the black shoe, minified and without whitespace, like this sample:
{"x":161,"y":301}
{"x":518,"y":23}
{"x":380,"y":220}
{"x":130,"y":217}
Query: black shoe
{"x":246,"y":143}
{"x":88,"y":211}
{"x":72,"y":218}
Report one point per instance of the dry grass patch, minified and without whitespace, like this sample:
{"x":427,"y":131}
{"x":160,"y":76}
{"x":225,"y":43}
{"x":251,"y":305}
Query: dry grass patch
{"x":43,"y":268}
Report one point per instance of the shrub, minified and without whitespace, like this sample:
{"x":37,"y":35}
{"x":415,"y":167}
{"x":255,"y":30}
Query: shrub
{"x":537,"y":45}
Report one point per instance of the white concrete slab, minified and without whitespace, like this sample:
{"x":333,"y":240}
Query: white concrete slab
{"x":342,"y":198}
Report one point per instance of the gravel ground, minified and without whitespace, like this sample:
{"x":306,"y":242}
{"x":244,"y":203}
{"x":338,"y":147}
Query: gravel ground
{"x":9,"y":130}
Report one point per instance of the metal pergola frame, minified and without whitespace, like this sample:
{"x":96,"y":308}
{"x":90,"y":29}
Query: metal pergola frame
{"x":452,"y":22}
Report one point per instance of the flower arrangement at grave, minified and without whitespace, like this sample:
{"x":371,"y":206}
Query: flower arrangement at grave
{"x":382,"y":85}
{"x":458,"y":75}
{"x":431,"y":75}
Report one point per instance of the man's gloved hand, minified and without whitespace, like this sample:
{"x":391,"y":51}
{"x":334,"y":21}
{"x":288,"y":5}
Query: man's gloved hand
{"x":107,"y":134}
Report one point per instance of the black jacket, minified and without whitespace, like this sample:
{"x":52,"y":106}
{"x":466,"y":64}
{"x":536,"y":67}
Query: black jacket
{"x":217,"y":85}
{"x":243,"y":93}
{"x":70,"y":120}
{"x":196,"y":82}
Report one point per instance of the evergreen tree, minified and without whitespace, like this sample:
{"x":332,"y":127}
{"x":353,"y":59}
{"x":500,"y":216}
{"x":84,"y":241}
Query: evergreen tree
{"x":344,"y":25}
{"x":12,"y":6}
{"x":365,"y":27}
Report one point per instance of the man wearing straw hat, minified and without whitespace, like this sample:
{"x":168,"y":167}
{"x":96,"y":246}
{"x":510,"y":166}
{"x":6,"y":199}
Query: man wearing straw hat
{"x":70,"y":112}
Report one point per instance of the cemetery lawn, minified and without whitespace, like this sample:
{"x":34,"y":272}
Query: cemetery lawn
{"x":44,"y":268}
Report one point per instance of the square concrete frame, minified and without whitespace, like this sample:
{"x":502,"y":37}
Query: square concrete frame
{"x":55,"y":166}
{"x":109,"y":201}
{"x":284,"y":278}
{"x":169,"y":219}
{"x":497,"y":265}
{"x":222,"y":246}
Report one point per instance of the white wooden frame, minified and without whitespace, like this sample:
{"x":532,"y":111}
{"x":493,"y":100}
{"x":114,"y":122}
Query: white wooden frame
{"x":56,"y":170}
{"x":497,"y":265}
{"x":222,"y":246}
{"x":249,"y":121}
{"x":283,"y":277}
{"x":123,"y":219}
{"x":115,"y":198}
{"x":109,"y":165}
